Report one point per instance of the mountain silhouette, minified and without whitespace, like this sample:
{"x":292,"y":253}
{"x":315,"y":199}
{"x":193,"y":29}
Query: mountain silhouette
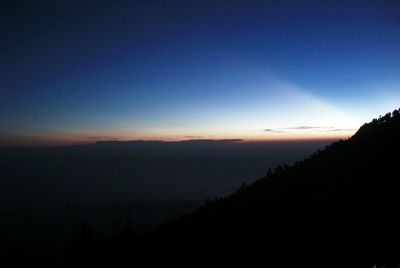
{"x":337,"y":208}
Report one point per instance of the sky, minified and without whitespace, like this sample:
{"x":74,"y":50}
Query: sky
{"x":80,"y":71}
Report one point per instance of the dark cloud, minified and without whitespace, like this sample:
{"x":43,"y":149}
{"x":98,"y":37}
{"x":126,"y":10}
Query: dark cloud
{"x":209,"y":141}
{"x":157,"y":142}
{"x":106,"y":137}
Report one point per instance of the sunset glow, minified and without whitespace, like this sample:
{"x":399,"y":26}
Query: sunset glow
{"x":250,"y":76}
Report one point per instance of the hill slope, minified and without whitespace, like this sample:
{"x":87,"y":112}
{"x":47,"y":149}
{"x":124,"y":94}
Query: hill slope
{"x":337,"y":208}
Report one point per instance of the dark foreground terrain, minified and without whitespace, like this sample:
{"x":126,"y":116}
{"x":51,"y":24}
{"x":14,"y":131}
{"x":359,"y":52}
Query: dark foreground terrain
{"x":44,"y":233}
{"x":337,"y":208}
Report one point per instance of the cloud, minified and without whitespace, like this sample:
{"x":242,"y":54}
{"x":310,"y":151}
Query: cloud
{"x":316,"y":128}
{"x":193,"y":137}
{"x":288,"y":129}
{"x":341,"y":129}
{"x":306,"y":128}
{"x":274,"y":131}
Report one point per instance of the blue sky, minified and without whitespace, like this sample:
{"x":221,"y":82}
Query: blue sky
{"x":76,"y":70}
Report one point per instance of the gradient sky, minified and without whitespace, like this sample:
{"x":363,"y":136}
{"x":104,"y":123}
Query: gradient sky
{"x":80,"y":71}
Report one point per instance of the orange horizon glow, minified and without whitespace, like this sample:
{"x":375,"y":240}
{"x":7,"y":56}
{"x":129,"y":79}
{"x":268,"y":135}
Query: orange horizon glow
{"x":80,"y":139}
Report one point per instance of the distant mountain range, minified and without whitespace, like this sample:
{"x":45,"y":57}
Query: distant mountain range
{"x":124,"y":143}
{"x":337,"y":208}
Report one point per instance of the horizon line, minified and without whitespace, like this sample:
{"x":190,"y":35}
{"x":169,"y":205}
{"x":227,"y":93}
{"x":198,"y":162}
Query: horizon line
{"x":235,"y":140}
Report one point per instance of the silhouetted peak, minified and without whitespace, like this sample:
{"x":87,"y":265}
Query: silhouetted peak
{"x":389,"y":120}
